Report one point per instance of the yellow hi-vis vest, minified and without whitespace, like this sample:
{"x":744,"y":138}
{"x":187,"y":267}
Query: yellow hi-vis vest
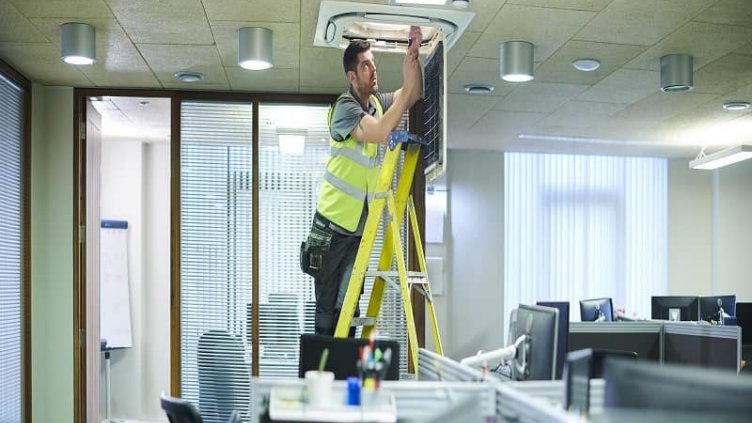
{"x":350,"y":177}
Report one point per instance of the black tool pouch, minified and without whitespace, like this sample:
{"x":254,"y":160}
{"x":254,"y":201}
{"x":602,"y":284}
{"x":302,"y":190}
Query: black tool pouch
{"x":314,"y":249}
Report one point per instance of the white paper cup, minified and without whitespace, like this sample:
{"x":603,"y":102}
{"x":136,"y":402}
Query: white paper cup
{"x":319,"y":388}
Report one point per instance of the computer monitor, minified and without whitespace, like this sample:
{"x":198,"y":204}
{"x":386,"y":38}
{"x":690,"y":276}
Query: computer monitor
{"x":597,"y":309}
{"x":710,"y":306}
{"x":744,"y":321}
{"x":562,"y":346}
{"x":650,"y":386}
{"x":675,"y":308}
{"x":343,"y":355}
{"x":536,"y":360}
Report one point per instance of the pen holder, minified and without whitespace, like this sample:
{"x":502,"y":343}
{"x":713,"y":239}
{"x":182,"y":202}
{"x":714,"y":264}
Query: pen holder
{"x":319,"y":388}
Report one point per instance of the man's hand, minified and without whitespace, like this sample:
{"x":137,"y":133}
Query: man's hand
{"x":412,"y":77}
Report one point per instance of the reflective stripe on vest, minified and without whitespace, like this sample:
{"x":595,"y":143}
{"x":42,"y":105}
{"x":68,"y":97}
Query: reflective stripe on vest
{"x":350,"y":178}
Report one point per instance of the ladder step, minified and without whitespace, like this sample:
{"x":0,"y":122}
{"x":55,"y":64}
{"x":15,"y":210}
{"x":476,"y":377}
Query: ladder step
{"x":415,"y":278}
{"x":363,"y":321}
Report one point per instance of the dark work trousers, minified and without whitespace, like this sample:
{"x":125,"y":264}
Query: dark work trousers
{"x":332,"y":280}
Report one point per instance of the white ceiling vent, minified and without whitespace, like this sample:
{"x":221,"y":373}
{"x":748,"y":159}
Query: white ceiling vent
{"x":387,"y":27}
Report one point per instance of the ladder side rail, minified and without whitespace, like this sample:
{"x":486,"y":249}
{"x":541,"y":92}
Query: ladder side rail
{"x":375,"y":211}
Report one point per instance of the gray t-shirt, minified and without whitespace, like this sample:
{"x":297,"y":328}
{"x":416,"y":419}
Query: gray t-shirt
{"x":348,"y":112}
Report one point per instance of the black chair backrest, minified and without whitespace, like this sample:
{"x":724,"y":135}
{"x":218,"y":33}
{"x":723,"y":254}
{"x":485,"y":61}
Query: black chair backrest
{"x":224,"y":377}
{"x":179,"y":410}
{"x":600,"y":356}
{"x":343,"y":355}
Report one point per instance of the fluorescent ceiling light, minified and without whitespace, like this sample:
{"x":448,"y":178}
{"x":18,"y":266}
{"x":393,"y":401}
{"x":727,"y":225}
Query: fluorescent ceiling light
{"x":293,"y":145}
{"x":722,"y":158}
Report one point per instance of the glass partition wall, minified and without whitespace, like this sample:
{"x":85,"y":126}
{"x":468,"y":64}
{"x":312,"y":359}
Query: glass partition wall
{"x":218,"y":342}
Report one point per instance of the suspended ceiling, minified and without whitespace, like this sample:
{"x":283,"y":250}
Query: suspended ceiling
{"x":616,"y":109}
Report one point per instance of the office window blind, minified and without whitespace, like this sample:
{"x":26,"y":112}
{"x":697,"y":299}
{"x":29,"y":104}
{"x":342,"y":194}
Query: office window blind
{"x":293,"y":151}
{"x":11,"y":257}
{"x":215,"y":214}
{"x":580,"y":227}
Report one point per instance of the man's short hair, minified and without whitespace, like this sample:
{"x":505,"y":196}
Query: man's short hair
{"x":350,"y":59}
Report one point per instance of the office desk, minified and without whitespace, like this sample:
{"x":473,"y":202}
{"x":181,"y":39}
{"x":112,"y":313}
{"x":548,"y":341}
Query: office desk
{"x":415,"y":400}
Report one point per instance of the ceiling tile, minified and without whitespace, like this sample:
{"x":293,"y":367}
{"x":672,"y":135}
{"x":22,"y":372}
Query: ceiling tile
{"x":734,"y":12}
{"x":479,"y":71}
{"x":163,"y":21}
{"x":190,"y":86}
{"x":581,"y":113}
{"x":118,"y":62}
{"x":269,"y":80}
{"x":539,"y":97}
{"x":623,"y":86}
{"x":253,"y":10}
{"x":459,"y":50}
{"x":323,"y":66}
{"x":725,"y":74}
{"x":165,"y":60}
{"x":592,"y":5}
{"x":639,"y":22}
{"x":705,"y":42}
{"x":745,"y":49}
{"x":661,"y":106}
{"x":498,"y":124}
{"x":547,"y":29}
{"x":285,"y":42}
{"x":63,"y":8}
{"x":41,"y":63}
{"x":321,"y":90}
{"x":484,"y":10}
{"x":14,"y":27}
{"x":558,"y":68}
{"x":463,"y":110}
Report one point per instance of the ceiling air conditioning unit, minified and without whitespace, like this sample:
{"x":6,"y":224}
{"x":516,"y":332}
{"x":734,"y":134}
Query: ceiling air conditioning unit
{"x":387,"y":27}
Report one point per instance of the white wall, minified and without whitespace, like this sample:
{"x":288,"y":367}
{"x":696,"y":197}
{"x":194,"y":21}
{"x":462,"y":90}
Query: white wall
{"x":470,"y":314}
{"x":52,"y":254}
{"x":136,"y":188}
{"x":475,"y":269}
{"x":734,"y":238}
{"x":156,"y":291}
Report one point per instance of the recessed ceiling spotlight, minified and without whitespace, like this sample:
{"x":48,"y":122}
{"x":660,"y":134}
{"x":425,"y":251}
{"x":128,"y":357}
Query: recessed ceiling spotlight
{"x":586,"y":65}
{"x":188,"y":76}
{"x":736,"y":105}
{"x":479,"y":88}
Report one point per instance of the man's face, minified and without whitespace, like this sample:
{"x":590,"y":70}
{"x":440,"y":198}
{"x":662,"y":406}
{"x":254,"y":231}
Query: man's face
{"x":365,"y":74}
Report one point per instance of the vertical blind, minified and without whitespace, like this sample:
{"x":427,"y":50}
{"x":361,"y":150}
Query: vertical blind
{"x":216,"y":247}
{"x":215,"y":285}
{"x":11,"y":257}
{"x":580,"y":227}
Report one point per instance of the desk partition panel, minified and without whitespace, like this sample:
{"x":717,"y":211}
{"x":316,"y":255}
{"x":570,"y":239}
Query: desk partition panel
{"x":701,"y":345}
{"x":644,"y":338}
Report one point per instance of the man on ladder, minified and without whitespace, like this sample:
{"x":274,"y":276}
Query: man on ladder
{"x":359,"y":120}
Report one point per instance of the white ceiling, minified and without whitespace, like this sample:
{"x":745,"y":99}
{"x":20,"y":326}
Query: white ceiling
{"x":616,"y":109}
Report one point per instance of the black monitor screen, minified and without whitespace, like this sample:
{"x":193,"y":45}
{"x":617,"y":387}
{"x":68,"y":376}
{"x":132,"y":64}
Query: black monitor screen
{"x":591,"y":310}
{"x":645,"y":385}
{"x":675,"y":308}
{"x":562,"y":346}
{"x":744,"y":320}
{"x":710,"y":306}
{"x":343,"y":355}
{"x":541,"y":325}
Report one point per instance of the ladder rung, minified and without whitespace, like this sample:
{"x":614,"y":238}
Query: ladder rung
{"x":363,"y":321}
{"x":395,"y":274}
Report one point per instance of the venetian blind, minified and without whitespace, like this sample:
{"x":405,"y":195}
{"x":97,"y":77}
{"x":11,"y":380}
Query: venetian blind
{"x":580,"y":227}
{"x":293,"y":151}
{"x":215,"y":237}
{"x":11,"y":257}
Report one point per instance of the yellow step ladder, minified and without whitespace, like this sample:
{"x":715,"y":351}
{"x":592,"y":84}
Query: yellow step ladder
{"x":392,"y":248}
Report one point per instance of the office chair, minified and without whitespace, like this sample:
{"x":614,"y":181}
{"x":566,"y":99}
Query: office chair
{"x":181,"y":411}
{"x":224,"y":377}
